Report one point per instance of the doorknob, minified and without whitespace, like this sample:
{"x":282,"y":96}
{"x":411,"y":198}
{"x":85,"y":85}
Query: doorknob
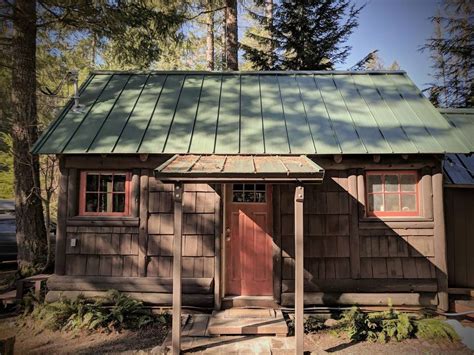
{"x":227,"y":234}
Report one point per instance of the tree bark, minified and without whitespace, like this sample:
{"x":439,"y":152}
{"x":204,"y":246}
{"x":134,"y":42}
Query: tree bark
{"x":210,"y":37}
{"x":269,"y":19}
{"x":30,"y":227}
{"x":232,"y":62}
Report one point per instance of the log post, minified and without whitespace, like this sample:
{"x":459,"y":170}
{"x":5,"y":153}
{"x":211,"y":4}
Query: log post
{"x":143,"y":228}
{"x":61,"y":237}
{"x":354,"y":224}
{"x":177,"y":255}
{"x":299,"y":270}
{"x":441,"y":262}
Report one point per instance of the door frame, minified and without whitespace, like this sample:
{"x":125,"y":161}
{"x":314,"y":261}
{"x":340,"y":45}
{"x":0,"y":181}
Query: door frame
{"x":276,"y":256}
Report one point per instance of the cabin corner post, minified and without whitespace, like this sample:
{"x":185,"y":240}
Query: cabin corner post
{"x":355,"y":187}
{"x":143,"y":228}
{"x":61,"y":237}
{"x":218,"y":217}
{"x":299,"y":270}
{"x":177,"y":261}
{"x":440,"y":240}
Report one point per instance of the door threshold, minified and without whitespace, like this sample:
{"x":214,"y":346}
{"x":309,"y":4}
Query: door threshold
{"x":226,"y":298}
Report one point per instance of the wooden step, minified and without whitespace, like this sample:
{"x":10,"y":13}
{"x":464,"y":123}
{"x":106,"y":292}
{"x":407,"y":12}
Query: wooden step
{"x":249,"y":301}
{"x":238,"y":321}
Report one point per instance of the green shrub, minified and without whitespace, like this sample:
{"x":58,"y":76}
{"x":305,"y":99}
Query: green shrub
{"x":312,"y":324}
{"x":434,"y":329}
{"x":115,"y":312}
{"x":392,"y":325}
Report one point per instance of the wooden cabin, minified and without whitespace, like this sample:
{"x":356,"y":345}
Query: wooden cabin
{"x":243,"y":182}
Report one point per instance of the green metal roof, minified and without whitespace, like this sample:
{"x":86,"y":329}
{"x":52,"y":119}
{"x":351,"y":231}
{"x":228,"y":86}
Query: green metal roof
{"x":251,"y":113}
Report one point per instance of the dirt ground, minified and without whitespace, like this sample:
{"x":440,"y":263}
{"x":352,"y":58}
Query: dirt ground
{"x":31,"y":340}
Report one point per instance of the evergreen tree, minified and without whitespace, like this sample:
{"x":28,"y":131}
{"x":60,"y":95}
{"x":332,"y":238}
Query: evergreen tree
{"x":25,"y":23}
{"x":452,"y":48}
{"x":305,"y":35}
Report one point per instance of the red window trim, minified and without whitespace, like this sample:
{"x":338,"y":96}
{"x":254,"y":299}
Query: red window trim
{"x":415,"y":213}
{"x":82,"y":193}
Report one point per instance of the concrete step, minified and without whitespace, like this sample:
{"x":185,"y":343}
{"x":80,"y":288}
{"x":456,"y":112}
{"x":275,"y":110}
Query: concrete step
{"x":240,"y":321}
{"x":249,"y":301}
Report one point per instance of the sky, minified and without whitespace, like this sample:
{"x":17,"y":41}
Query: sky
{"x":397,"y":28}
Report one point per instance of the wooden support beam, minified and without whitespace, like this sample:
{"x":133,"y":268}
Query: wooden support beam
{"x":354,"y":225}
{"x":61,"y":237}
{"x":441,"y":262}
{"x":217,"y":246}
{"x":427,"y":193}
{"x":177,"y":256}
{"x":299,"y":270}
{"x":143,"y":229}
{"x":277,"y":276}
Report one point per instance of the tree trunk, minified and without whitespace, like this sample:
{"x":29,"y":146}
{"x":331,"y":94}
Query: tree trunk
{"x":30,"y":227}
{"x":210,"y":37}
{"x":231,"y":35}
{"x":269,"y":19}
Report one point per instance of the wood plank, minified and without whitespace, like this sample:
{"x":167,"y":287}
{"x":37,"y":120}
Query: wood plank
{"x":365,"y":285}
{"x":61,"y":234}
{"x":361,"y":193}
{"x":354,"y":226}
{"x":159,"y":299}
{"x":115,"y":161}
{"x":440,"y":239}
{"x":143,"y":228}
{"x":72,"y":192}
{"x":364,"y":299}
{"x":299,"y":269}
{"x":427,"y":193}
{"x":207,"y":243}
{"x":177,"y":271}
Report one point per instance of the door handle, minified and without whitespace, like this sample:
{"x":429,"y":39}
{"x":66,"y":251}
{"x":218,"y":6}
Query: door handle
{"x":227,"y":234}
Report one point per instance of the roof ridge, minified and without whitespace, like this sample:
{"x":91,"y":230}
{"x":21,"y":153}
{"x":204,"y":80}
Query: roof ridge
{"x":280,"y":72}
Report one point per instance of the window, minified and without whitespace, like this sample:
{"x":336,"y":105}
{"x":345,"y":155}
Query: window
{"x":392,"y":193}
{"x":104,"y":193}
{"x":248,"y":193}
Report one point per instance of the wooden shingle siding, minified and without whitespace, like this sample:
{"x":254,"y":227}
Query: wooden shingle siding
{"x":343,"y":247}
{"x":102,"y":251}
{"x":199,"y":230}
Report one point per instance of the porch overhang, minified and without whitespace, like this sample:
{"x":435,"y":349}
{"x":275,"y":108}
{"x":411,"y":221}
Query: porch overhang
{"x":228,"y":168}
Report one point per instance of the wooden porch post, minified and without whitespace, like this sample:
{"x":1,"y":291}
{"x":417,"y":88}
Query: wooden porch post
{"x":177,"y":253}
{"x":299,"y":270}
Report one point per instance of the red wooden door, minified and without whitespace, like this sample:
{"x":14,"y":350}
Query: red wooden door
{"x":249,"y":262}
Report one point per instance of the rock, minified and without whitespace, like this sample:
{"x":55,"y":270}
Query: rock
{"x":330,"y":322}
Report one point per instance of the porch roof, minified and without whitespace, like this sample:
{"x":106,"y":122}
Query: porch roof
{"x":224,"y":168}
{"x":328,"y":112}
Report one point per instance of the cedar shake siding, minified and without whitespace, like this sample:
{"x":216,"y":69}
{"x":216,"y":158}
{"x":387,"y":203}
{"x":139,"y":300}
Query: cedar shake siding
{"x":348,"y":257}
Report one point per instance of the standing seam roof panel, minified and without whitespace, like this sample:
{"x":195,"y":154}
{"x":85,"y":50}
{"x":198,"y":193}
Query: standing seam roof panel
{"x":324,"y":137}
{"x":204,"y":133}
{"x":91,"y":124}
{"x":251,"y":130}
{"x":299,"y":134}
{"x":276,"y":136}
{"x":228,"y":127}
{"x":162,"y":118}
{"x":367,"y":127}
{"x":107,"y":136}
{"x":179,"y":137}
{"x":135,"y":128}
{"x":65,"y":129}
{"x":341,"y":120}
{"x":386,"y":120}
{"x":434,"y":122}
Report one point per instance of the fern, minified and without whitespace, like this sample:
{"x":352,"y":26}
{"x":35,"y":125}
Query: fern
{"x":434,"y":329}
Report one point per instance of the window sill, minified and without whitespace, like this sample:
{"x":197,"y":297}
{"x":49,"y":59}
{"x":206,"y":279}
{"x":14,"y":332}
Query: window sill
{"x":395,"y":222}
{"x":104,"y":221}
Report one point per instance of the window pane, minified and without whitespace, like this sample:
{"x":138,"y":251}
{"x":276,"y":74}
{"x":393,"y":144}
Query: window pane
{"x":249,"y":197}
{"x":105,"y":182}
{"x":238,"y":186}
{"x":408,"y":182}
{"x":392,"y":202}
{"x":238,"y":197}
{"x":374,"y":183}
{"x":119,"y":183}
{"x":408,"y":202}
{"x":105,"y":203}
{"x":391,"y":183}
{"x":375,"y":202}
{"x":260,"y":197}
{"x":249,"y":187}
{"x":260,"y":187}
{"x":92,"y":182}
{"x":91,"y":202}
{"x":118,"y":203}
